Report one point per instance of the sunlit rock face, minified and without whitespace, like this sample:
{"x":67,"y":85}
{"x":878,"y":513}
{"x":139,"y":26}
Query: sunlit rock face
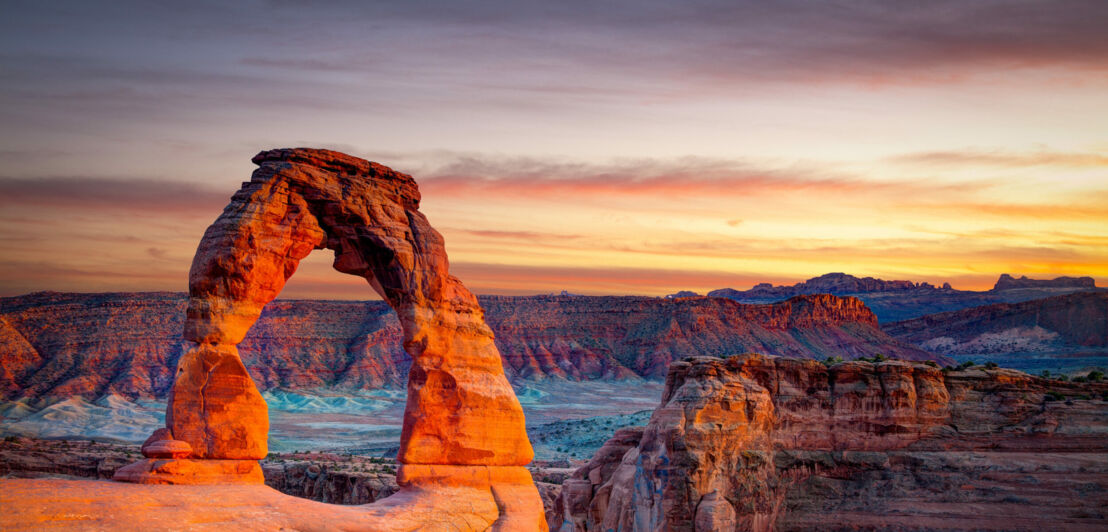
{"x":463,"y":426}
{"x":761,"y":443}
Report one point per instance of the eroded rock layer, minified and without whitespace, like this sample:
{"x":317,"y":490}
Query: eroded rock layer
{"x":54,"y":344}
{"x":761,"y":443}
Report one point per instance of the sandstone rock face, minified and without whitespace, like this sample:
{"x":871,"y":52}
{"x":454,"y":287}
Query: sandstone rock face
{"x":463,"y":426}
{"x":167,"y":449}
{"x":215,"y":406}
{"x":759,"y":443}
{"x":191,"y":472}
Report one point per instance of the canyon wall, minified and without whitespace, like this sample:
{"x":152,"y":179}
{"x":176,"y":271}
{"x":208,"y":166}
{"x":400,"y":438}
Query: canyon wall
{"x":761,"y":443}
{"x":54,"y":344}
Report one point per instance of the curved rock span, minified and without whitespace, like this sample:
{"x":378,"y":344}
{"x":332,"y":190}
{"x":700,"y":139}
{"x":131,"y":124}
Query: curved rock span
{"x":463,"y":426}
{"x":757,"y":443}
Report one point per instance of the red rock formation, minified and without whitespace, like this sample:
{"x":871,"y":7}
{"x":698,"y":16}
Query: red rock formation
{"x":757,"y":443}
{"x":463,"y":426}
{"x":610,"y":337}
{"x":127,"y":343}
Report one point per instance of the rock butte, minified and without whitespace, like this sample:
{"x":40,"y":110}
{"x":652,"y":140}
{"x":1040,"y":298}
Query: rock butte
{"x":463,"y":442}
{"x":759,"y":443}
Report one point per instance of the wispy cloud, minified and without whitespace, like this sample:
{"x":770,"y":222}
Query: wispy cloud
{"x":93,"y":193}
{"x":474,"y":175}
{"x":1005,"y":158}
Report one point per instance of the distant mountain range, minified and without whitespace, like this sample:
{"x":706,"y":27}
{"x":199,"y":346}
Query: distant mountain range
{"x":900,"y":300}
{"x":54,"y":344}
{"x":1061,"y":331}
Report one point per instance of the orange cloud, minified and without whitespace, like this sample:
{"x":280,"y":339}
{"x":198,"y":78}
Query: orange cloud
{"x":1004,"y":159}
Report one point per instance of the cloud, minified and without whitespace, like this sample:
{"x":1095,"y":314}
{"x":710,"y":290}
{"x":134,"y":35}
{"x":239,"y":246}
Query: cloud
{"x":1005,"y":159}
{"x":701,"y":45}
{"x":684,"y":177}
{"x":511,"y":279}
{"x":529,"y":236}
{"x":109,"y":194}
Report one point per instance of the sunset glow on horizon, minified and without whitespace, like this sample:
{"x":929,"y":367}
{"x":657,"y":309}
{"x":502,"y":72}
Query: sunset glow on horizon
{"x":594,"y":148}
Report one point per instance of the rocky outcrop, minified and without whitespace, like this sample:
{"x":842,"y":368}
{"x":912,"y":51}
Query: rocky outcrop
{"x":758,"y":443}
{"x":1007,"y":282}
{"x":463,"y":426}
{"x":128,"y":343}
{"x":901,"y":300}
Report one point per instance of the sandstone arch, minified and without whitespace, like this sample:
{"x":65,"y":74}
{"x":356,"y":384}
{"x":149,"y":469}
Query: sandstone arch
{"x":463,"y":425}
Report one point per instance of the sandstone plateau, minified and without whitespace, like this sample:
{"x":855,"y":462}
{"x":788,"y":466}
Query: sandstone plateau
{"x":762,"y":443}
{"x":63,"y":345}
{"x":463,"y":443}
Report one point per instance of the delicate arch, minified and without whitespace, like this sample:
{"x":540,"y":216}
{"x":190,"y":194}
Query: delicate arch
{"x":461,"y":409}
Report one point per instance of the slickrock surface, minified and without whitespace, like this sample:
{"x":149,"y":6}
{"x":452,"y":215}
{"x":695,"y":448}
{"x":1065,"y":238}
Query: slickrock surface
{"x":128,"y":343}
{"x":782,"y":444}
{"x":323,"y":477}
{"x":35,"y":504}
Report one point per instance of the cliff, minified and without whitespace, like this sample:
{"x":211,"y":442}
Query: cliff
{"x":759,"y":443}
{"x":54,"y":344}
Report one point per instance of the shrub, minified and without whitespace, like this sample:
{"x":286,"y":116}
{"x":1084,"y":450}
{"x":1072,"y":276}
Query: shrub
{"x":991,"y":365}
{"x":1045,"y":374}
{"x":1095,"y":376}
{"x":831,"y":361}
{"x":931,"y":363}
{"x":1053,"y":396}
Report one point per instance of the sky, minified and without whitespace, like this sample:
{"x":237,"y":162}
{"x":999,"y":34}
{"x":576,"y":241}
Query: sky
{"x":595,"y":147}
